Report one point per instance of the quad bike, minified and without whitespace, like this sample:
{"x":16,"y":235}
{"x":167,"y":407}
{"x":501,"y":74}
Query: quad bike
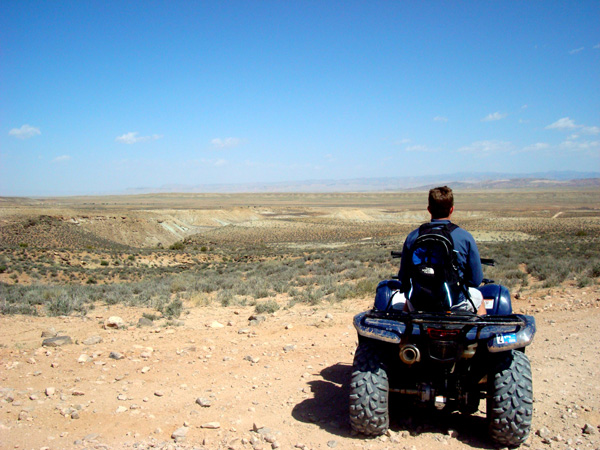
{"x":444,"y":360}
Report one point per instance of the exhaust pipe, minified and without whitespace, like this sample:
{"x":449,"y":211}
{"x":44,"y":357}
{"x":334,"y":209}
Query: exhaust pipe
{"x":410,"y":354}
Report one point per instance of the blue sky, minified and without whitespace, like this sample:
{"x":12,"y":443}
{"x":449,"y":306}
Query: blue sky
{"x":101,"y":96}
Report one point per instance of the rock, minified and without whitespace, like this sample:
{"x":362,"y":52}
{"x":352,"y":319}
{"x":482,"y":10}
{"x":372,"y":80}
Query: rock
{"x":289,"y":348}
{"x":216,"y":324}
{"x":57,"y":341}
{"x":115,"y":355}
{"x":590,"y":429}
{"x":114,"y":322}
{"x":252,"y":359}
{"x":179,"y":434}
{"x":121,"y":409}
{"x":145,"y":322}
{"x":145,"y":369}
{"x":92,"y":340}
{"x":49,"y":333}
{"x":50,"y":391}
{"x":211,"y":425}
{"x":205,"y":403}
{"x":332,"y":444}
{"x":544,"y":434}
{"x":159,"y":393}
{"x":83,"y":358}
{"x":329,"y":316}
{"x":256,"y":320}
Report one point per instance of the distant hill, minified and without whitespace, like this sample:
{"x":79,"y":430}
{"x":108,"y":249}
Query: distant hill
{"x":463,"y":181}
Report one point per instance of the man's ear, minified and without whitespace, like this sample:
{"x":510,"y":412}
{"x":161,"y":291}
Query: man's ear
{"x":428,"y":210}
{"x":451,"y":211}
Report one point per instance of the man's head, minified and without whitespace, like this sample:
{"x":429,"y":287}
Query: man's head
{"x":441,"y":202}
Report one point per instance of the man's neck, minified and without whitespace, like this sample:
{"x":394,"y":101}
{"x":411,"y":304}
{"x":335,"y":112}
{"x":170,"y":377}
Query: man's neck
{"x":440,"y":218}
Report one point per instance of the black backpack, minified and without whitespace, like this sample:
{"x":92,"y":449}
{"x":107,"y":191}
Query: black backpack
{"x":433,"y":277}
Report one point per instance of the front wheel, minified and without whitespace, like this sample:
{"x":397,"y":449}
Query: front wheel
{"x":369,"y":392}
{"x":510,"y":399}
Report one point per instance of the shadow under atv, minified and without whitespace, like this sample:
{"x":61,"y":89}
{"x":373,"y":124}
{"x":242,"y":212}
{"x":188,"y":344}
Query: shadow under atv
{"x":328,"y":409}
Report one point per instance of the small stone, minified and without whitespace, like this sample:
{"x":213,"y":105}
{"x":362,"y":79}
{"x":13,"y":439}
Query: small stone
{"x":114,"y":322}
{"x":159,"y":393}
{"x":145,"y":369}
{"x":78,"y":393}
{"x":75,"y":414}
{"x":145,"y":322}
{"x":50,"y":391}
{"x":57,"y":341}
{"x":121,"y":409}
{"x":216,"y":324}
{"x":590,"y":429}
{"x":289,"y":348}
{"x":252,"y":359}
{"x":115,"y":355}
{"x":211,"y":425}
{"x":83,"y":358}
{"x":332,"y":444}
{"x":204,"y":402}
{"x":179,"y":434}
{"x":92,"y":340}
{"x":23,"y":415}
{"x":544,"y":433}
{"x":329,"y":316}
{"x":49,"y":333}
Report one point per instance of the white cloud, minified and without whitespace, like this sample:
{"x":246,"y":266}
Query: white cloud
{"x":484,"y":148}
{"x":597,"y":46}
{"x":25,"y":132}
{"x":568,"y":124}
{"x":576,"y":50}
{"x":590,"y":130}
{"x":402,"y":142}
{"x":592,"y":147}
{"x":562,"y":124}
{"x":220,"y":162}
{"x":419,"y":149}
{"x":440,"y":119}
{"x":133,"y":138}
{"x":536,"y":147}
{"x":494,"y":116}
{"x":61,"y":158}
{"x":229,"y":142}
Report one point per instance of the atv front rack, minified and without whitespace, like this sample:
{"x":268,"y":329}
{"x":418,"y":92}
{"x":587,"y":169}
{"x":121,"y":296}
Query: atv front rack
{"x":502,"y":333}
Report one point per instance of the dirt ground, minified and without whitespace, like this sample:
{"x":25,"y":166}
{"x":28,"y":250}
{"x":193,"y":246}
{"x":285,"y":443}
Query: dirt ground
{"x":226,"y":382}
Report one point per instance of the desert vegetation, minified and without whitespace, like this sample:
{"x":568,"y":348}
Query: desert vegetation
{"x":51,"y":266}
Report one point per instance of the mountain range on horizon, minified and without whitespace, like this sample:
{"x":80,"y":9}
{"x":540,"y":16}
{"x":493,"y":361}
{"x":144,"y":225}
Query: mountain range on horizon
{"x":463,"y":181}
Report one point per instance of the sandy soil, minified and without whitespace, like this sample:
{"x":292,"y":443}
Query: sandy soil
{"x":286,"y":376}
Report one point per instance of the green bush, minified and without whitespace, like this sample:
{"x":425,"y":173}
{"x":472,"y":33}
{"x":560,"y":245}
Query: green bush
{"x":269,"y":306}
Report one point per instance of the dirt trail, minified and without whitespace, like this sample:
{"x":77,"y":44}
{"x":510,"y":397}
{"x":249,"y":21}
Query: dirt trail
{"x":288,"y":374}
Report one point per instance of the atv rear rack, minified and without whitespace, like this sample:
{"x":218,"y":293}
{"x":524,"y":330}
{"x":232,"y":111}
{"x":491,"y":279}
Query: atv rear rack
{"x":502,"y":333}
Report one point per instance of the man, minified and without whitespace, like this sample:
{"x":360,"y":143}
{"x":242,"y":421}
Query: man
{"x":441,"y":207}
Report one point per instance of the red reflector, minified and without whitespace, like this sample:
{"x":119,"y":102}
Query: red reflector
{"x":435,"y":333}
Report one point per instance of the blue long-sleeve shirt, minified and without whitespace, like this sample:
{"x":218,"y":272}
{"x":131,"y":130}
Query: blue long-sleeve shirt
{"x":468,"y":259}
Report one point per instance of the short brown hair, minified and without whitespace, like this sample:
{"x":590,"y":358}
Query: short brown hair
{"x":441,"y":201}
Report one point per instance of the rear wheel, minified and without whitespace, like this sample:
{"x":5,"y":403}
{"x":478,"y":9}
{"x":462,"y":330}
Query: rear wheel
{"x":510,"y":399}
{"x":369,"y":392}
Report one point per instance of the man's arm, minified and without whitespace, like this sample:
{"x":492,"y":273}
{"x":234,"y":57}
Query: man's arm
{"x":474,"y":277}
